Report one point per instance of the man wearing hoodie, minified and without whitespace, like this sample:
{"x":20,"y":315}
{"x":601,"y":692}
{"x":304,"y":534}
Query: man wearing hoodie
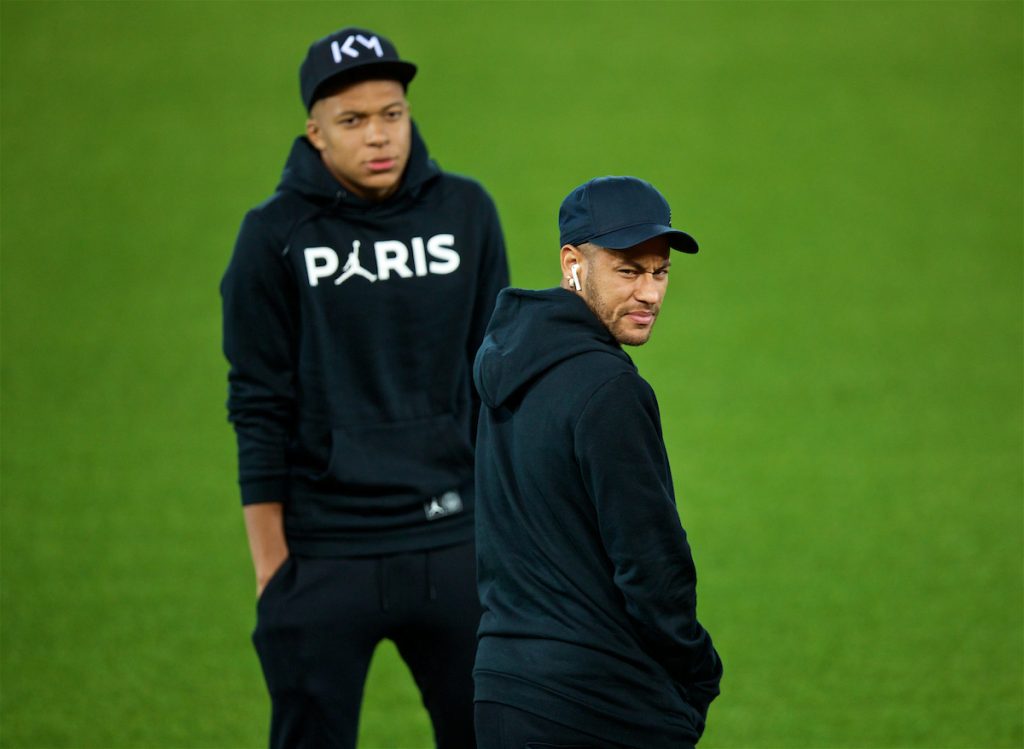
{"x":589,"y":635}
{"x":354,"y":302}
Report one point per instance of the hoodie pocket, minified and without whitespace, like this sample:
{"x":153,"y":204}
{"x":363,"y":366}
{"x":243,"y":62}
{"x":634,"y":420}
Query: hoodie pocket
{"x":424,"y":456}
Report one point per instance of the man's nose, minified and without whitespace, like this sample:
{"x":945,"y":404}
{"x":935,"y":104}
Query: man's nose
{"x":376,"y":133}
{"x":647,"y":289}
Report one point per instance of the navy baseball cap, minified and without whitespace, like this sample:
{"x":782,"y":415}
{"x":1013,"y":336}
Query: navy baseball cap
{"x":349,"y":56}
{"x":618,"y":213}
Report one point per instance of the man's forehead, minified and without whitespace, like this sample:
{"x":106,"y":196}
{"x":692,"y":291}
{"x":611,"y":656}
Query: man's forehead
{"x":371,"y":93}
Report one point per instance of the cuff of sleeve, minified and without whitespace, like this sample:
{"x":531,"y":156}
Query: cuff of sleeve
{"x":264,"y":490}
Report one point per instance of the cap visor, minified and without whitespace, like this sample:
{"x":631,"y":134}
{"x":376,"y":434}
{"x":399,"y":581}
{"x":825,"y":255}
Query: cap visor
{"x":388,"y":70}
{"x":631,"y":236}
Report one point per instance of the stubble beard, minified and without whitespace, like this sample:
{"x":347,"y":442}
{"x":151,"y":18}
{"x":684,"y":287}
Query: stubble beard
{"x":606,"y":315}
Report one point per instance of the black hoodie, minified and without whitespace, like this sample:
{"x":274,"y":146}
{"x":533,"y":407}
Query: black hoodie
{"x":586,"y":578}
{"x":351,"y":327}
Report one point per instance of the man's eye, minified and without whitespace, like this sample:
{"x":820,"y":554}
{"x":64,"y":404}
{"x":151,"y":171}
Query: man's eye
{"x":627,"y":272}
{"x":348,"y":121}
{"x":395,"y":114}
{"x":661,"y":273}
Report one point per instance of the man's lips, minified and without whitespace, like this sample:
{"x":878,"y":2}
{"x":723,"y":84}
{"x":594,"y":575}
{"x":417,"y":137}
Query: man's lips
{"x":641,"y":317}
{"x":380,"y":165}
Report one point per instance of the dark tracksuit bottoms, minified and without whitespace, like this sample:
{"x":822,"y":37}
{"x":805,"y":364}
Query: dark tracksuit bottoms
{"x":424,"y":601}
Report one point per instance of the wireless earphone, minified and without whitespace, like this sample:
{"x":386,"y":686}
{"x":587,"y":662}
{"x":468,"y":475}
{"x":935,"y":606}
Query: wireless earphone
{"x":575,"y":278}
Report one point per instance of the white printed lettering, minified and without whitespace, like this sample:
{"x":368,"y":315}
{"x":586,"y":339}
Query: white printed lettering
{"x":392,"y":255}
{"x":419,"y":256}
{"x":339,"y":51}
{"x":346,"y":47}
{"x":441,"y":249}
{"x":435,"y":256}
{"x":371,"y":43}
{"x":320,"y":263}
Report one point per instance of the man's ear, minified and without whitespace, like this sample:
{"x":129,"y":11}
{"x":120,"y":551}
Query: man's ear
{"x":572,"y":263}
{"x":313,"y":134}
{"x":571,"y":255}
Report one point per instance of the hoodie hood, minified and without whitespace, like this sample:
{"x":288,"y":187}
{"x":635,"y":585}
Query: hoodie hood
{"x":531,"y":332}
{"x":305,"y":173}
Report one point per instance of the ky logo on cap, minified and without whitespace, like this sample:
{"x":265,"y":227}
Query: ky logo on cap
{"x":346,"y":47}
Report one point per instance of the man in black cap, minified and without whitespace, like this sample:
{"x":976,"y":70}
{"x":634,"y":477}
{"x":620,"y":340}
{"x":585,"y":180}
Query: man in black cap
{"x":354,"y":302}
{"x":589,"y":635}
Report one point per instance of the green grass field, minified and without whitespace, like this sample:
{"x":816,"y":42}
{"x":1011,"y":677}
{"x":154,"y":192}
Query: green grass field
{"x":839,"y":369}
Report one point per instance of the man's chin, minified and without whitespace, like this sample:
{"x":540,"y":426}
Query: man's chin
{"x":634,"y":337}
{"x":379,"y":186}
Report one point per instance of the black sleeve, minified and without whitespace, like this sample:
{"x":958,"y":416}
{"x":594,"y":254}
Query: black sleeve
{"x":625,"y":470}
{"x":260,"y":319}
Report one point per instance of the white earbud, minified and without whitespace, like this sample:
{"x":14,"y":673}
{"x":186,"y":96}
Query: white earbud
{"x":575,"y":278}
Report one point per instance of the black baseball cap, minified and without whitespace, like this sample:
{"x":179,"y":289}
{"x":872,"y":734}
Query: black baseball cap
{"x":618,"y":213}
{"x":349,"y":56}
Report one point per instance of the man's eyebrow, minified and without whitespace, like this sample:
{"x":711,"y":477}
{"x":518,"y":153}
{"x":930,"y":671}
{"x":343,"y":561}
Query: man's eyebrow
{"x":625,"y":260}
{"x":360,"y":113}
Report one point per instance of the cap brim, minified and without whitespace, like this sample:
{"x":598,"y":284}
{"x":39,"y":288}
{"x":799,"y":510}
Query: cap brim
{"x":631,"y":236}
{"x":391,"y":70}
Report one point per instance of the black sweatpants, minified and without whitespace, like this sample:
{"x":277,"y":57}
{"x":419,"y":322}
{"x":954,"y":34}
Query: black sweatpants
{"x":319,"y":621}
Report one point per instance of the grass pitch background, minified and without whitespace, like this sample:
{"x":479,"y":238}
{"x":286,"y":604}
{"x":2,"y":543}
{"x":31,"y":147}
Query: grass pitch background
{"x":839,"y":369}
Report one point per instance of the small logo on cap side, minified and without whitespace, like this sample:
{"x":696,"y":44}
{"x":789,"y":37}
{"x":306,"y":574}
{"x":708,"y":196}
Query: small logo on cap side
{"x":339,"y":51}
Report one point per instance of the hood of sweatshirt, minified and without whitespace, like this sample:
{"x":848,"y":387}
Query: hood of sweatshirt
{"x":305,"y":173}
{"x":531,"y":332}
